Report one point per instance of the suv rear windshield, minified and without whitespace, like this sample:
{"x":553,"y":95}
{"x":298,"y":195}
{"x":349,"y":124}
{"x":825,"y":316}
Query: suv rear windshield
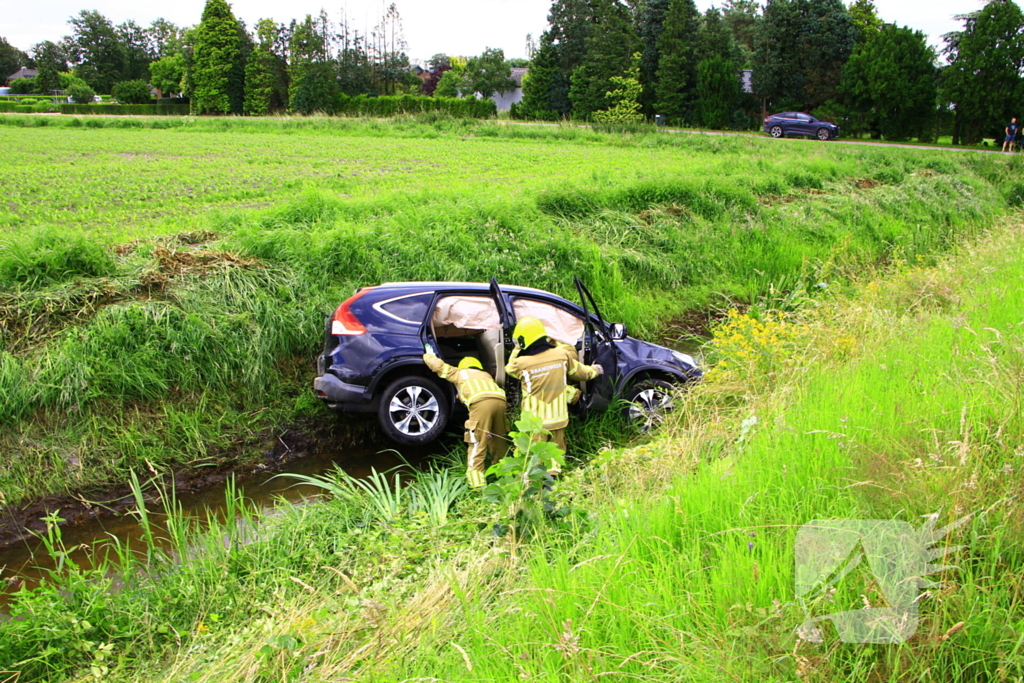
{"x":411,"y":308}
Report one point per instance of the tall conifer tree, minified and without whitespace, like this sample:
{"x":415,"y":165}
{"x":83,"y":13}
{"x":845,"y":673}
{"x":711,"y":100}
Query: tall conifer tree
{"x":563,"y":47}
{"x":677,"y":66}
{"x":215,"y":59}
{"x":266,"y":85}
{"x":800,"y":50}
{"x":650,"y":24}
{"x":609,"y":48}
{"x":312,"y":69}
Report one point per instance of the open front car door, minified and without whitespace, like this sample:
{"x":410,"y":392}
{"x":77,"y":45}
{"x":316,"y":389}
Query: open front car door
{"x":598,"y":347}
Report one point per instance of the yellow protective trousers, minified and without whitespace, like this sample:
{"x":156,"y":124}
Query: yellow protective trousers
{"x":486,"y":432}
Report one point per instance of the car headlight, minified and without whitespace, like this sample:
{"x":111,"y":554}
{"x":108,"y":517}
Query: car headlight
{"x":684,"y":358}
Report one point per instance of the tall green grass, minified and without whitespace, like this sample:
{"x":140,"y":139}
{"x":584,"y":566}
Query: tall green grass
{"x":48,"y":256}
{"x":682,"y":568}
{"x":696,"y":583}
{"x":196,"y":580}
{"x":172,"y":340}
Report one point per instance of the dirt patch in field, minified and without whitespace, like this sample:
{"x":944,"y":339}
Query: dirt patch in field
{"x":866,"y":183}
{"x":275,"y":450}
{"x":172,"y":263}
{"x":688,"y":329}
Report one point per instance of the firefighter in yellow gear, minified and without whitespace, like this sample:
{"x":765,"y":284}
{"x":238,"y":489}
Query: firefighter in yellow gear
{"x":486,"y":428}
{"x":545,"y":367}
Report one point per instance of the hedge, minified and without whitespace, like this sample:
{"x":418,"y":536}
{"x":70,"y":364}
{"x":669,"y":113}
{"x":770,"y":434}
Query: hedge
{"x":362,"y":105}
{"x":7,"y":106}
{"x":37,"y":108}
{"x":127,"y":109}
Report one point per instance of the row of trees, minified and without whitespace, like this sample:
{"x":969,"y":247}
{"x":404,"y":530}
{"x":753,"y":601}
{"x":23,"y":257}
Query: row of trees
{"x":597,"y":59}
{"x":841,"y":62}
{"x":221,"y":65}
{"x":688,"y":62}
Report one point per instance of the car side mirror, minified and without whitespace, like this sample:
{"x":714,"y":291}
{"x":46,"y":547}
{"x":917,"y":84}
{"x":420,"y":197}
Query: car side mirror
{"x":619,"y":331}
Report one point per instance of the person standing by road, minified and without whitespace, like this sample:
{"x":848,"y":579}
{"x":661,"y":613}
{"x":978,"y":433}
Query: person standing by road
{"x":1011,"y":134}
{"x":545,"y":367}
{"x":486,"y":427}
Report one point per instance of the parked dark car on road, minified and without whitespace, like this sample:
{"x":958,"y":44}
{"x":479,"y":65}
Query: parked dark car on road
{"x":373,"y":347}
{"x":797,"y":123}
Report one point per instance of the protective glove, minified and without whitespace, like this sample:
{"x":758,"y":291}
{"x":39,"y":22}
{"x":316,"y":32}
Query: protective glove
{"x":432,"y":361}
{"x":598,"y":369}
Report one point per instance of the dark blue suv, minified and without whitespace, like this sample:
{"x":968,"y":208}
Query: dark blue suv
{"x":373,"y":352}
{"x":798,"y":123}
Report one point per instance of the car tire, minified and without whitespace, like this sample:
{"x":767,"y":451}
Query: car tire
{"x":776,"y":132}
{"x":413,"y":410}
{"x":648,"y":402}
{"x":824,"y":134}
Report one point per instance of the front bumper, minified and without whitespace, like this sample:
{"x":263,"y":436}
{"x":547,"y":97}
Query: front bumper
{"x":342,"y":396}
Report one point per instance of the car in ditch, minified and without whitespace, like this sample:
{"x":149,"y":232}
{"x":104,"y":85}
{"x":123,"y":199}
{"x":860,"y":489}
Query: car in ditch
{"x":790,"y":123}
{"x":372,"y":360}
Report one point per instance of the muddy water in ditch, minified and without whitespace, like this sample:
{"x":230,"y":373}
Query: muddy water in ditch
{"x":27,"y":562}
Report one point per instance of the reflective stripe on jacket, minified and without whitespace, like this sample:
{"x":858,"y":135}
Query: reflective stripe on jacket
{"x":544,"y":377}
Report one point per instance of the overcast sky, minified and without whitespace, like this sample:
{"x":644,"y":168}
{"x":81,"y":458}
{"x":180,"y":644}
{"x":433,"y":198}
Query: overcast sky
{"x":460,"y":27}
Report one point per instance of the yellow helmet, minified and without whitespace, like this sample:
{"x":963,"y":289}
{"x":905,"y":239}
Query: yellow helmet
{"x":470,"y":362}
{"x":528,"y":330}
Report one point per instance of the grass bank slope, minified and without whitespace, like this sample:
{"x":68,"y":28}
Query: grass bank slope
{"x":901,"y":403}
{"x":898,"y":400}
{"x":181,"y":347}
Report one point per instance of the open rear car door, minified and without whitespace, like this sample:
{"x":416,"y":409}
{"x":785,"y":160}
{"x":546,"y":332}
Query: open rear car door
{"x":598,"y":347}
{"x":504,"y":348}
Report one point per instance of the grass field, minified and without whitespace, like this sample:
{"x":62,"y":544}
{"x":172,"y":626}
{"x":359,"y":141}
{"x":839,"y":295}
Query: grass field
{"x":162,"y":292}
{"x":163,"y":283}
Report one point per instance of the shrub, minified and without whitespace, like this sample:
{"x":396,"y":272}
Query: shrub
{"x":132,"y":92}
{"x":81,"y":93}
{"x":23,"y":86}
{"x":363,"y":105}
{"x":127,"y":109}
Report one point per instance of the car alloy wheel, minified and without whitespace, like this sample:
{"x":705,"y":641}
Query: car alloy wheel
{"x":824,"y":134}
{"x":776,"y":131}
{"x":413,"y":410}
{"x":649,"y":401}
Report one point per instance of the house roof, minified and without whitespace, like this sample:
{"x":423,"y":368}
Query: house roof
{"x":517,"y":74}
{"x":23,"y":72}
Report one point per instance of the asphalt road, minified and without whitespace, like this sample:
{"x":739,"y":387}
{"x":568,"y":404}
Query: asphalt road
{"x":867,"y":143}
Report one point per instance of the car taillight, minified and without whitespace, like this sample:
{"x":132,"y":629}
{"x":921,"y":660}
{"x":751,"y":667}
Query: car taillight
{"x":344,"y":322}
